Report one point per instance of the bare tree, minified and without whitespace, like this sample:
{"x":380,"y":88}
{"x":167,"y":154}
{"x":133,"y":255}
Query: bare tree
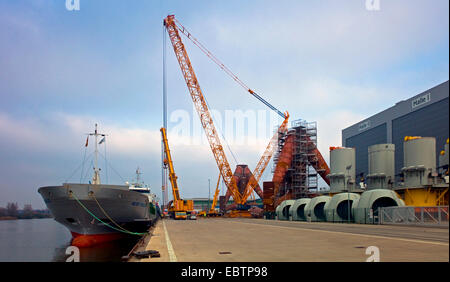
{"x":12,"y":209}
{"x":27,"y":211}
{"x":2,"y":211}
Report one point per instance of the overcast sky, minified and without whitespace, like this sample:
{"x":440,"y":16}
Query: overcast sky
{"x":334,"y":62}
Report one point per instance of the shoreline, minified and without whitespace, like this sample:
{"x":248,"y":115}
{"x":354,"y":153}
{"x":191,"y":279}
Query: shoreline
{"x":4,"y":218}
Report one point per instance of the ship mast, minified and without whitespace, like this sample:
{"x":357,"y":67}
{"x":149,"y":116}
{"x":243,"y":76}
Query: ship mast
{"x":96,"y":177}
{"x":138,"y":174}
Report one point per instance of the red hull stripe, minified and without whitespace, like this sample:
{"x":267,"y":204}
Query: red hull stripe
{"x":89,"y":240}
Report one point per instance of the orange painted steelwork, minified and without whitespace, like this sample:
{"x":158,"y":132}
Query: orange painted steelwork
{"x":253,"y":185}
{"x":284,"y":162}
{"x":240,"y":197}
{"x":202,"y":109}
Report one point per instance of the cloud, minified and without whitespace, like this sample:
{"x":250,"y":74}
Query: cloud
{"x":328,"y":62}
{"x":48,"y":149}
{"x":347,"y":38}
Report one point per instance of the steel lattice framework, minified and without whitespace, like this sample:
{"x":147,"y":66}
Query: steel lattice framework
{"x":265,"y":159}
{"x":202,"y":108}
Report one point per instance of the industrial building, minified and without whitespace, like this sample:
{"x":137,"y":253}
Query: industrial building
{"x":396,"y":159}
{"x":204,"y":204}
{"x":425,"y":114}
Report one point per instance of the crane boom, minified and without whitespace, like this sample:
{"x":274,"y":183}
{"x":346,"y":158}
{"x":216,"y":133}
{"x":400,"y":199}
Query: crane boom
{"x":201,"y":107}
{"x":212,"y":210}
{"x":169,"y":162}
{"x":265,"y":159}
{"x":180,"y":208}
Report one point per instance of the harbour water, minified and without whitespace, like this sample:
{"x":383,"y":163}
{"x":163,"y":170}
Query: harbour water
{"x":45,"y":240}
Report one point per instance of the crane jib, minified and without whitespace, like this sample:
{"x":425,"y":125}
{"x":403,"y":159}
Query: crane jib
{"x":266,"y":103}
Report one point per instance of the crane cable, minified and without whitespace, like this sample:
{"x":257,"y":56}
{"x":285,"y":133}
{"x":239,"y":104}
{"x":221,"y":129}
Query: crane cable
{"x":164,"y":86}
{"x":194,"y":40}
{"x":223,"y":136}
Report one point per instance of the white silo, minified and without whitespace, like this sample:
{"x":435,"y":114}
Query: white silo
{"x":419,"y":161}
{"x":342,"y":169}
{"x":381,"y":166}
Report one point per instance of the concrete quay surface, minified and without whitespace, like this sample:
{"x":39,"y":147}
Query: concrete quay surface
{"x":259,"y":240}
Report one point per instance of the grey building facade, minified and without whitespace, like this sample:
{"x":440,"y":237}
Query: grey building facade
{"x":425,"y":114}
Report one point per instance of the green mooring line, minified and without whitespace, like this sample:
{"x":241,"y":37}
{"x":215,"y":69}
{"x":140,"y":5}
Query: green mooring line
{"x":112,"y":227}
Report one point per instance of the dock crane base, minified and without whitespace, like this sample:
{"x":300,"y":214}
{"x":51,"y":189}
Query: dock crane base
{"x":238,"y":214}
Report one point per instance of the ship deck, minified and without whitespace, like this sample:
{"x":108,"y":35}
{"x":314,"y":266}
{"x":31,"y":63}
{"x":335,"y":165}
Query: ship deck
{"x":259,"y":240}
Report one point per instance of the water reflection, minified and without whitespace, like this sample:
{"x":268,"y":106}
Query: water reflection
{"x":45,"y":240}
{"x":105,"y":252}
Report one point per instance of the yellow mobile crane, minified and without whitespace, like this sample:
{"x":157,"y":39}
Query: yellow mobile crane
{"x":212,"y":211}
{"x":178,"y":208}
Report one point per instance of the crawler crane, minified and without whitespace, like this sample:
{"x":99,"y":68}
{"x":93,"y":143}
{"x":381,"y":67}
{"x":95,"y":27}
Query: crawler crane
{"x":174,"y":28}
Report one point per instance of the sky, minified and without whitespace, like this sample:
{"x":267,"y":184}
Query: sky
{"x":62,"y":71}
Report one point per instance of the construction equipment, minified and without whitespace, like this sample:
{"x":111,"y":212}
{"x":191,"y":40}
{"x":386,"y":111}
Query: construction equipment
{"x":173,"y":28}
{"x":252,"y":184}
{"x":212,"y":211}
{"x":178,"y":208}
{"x":202,"y":108}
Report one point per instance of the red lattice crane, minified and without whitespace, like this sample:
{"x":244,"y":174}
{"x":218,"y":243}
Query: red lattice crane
{"x":173,"y":28}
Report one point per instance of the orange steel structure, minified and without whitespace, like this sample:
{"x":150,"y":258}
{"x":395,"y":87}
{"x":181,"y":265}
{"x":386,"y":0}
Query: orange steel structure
{"x":201,"y":107}
{"x":173,"y":27}
{"x":320,"y":165}
{"x":284,"y":163}
{"x":264,"y":161}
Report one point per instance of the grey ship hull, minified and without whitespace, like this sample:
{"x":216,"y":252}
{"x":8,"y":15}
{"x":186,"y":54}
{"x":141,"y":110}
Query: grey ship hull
{"x":129,"y":209}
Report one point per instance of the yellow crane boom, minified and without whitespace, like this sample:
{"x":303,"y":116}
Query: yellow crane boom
{"x":178,"y":205}
{"x":212,"y":210}
{"x":168,"y":161}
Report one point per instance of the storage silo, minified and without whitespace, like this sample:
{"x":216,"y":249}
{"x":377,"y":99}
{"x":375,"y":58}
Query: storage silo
{"x":314,"y":210}
{"x":369,"y":202}
{"x":297,"y":210}
{"x":337,"y":209}
{"x":342,"y":169}
{"x":419,"y":160}
{"x":381,"y":166}
{"x":421,"y":186}
{"x":283,"y":209}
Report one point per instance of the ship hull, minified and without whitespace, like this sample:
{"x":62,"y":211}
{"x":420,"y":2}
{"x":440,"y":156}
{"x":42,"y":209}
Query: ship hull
{"x":123,"y":210}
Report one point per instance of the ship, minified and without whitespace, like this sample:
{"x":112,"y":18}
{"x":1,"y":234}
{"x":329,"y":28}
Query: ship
{"x":96,"y":213}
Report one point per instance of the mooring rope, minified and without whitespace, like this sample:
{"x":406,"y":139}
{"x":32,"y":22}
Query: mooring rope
{"x":93,"y":215}
{"x":104,"y":212}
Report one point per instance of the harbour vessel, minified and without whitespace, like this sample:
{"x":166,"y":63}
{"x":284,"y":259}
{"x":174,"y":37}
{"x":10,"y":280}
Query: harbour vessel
{"x":96,"y":212}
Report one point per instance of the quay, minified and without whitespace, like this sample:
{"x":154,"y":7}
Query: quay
{"x":259,"y":240}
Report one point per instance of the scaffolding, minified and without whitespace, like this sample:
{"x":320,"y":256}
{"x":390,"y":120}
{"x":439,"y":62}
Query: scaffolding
{"x":301,"y":177}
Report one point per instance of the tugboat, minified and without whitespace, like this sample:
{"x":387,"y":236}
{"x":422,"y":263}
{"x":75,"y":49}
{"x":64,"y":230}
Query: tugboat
{"x":95,"y":213}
